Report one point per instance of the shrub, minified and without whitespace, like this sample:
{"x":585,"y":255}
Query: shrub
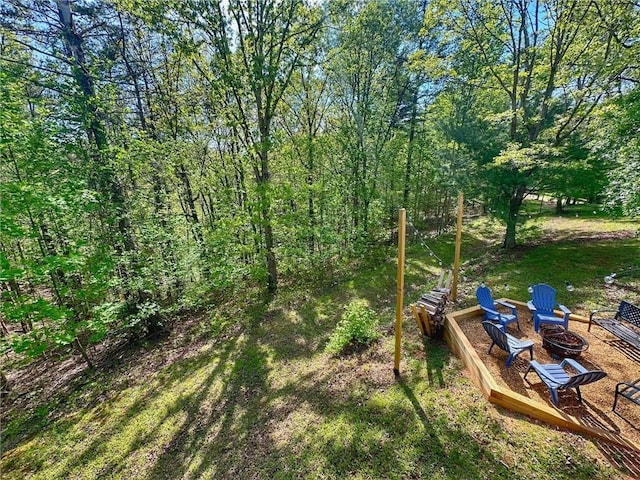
{"x":358,"y":326}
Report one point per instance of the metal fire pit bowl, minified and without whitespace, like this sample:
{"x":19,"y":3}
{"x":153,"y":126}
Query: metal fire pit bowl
{"x":561,"y":343}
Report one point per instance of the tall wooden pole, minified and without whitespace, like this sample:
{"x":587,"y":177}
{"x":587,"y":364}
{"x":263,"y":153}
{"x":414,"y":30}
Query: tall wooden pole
{"x":456,"y":261}
{"x":402,"y":227}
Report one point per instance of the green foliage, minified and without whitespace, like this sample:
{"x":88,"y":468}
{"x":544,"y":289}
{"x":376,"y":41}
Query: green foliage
{"x":105,"y":317}
{"x":615,"y":143}
{"x":357,"y":326}
{"x":181,"y":152}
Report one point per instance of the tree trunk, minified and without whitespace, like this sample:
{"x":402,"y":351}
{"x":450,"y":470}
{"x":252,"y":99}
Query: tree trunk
{"x":267,"y":232}
{"x":311,"y":208}
{"x":272,"y":268}
{"x":4,"y":383}
{"x":515,"y":202}
{"x":263,"y":179}
{"x":83,"y":352}
{"x":190,"y":211}
{"x":409,"y":164}
{"x":4,"y":331}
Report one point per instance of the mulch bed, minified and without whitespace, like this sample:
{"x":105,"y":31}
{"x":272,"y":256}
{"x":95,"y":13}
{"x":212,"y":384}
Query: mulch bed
{"x":606,"y":352}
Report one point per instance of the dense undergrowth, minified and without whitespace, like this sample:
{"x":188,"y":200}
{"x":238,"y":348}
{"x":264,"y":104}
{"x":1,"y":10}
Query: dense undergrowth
{"x":246,"y":389}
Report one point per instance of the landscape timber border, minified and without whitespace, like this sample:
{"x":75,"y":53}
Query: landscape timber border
{"x":505,"y":397}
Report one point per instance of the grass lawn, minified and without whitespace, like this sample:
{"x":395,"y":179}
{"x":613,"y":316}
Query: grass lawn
{"x":260,"y":398}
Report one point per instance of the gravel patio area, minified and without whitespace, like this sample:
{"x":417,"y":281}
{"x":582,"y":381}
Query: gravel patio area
{"x":606,"y":352}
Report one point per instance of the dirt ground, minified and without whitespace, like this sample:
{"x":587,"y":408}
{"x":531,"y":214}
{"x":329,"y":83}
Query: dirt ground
{"x":606,"y":352}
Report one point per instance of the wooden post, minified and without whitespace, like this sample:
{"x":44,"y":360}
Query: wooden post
{"x":456,"y":261}
{"x":402,"y":222}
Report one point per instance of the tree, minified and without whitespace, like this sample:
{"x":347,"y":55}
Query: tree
{"x":304,"y":121}
{"x":615,"y":139}
{"x":106,"y":180}
{"x":553,"y":62}
{"x":51,"y":279}
{"x":254,"y":49}
{"x":365,"y":78}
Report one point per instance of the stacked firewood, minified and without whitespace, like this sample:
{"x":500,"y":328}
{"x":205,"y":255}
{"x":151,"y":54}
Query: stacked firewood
{"x":429,"y":312}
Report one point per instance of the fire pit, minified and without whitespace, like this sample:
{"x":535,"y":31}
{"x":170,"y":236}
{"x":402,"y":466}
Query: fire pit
{"x":561,"y":343}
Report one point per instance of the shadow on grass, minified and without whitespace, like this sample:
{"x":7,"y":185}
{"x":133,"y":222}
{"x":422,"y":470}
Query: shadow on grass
{"x":436,"y":357}
{"x":459,"y":454}
{"x":383,"y":439}
{"x":234,"y":412}
{"x":167,"y":379}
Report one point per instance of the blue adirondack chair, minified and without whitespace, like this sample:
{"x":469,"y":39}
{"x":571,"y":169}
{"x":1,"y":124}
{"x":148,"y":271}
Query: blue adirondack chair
{"x":542,"y":305}
{"x":506,"y":342}
{"x":556,"y":378}
{"x":491,"y":313}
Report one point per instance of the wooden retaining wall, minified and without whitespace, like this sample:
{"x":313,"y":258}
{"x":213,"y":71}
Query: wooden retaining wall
{"x":509,"y":399}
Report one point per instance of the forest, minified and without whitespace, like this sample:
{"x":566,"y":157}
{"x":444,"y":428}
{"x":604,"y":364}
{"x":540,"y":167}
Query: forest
{"x":160,"y":155}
